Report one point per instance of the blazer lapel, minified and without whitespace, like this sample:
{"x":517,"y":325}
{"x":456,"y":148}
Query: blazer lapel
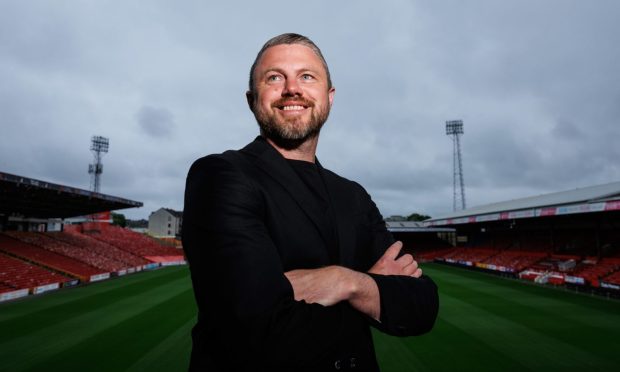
{"x":271,"y":162}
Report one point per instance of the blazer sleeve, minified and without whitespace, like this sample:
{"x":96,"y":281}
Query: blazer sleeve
{"x":409,"y":306}
{"x":243,"y":297}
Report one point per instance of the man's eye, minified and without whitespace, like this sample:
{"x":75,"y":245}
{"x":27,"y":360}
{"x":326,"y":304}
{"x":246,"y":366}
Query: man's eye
{"x":307,"y":77}
{"x":273,"y":78}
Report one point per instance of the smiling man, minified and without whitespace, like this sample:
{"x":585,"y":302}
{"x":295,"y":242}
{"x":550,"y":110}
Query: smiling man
{"x":291,"y":263}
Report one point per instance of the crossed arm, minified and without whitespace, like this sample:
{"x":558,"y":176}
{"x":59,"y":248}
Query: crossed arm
{"x":332,"y":284}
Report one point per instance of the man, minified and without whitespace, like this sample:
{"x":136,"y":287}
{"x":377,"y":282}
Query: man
{"x":291,"y":263}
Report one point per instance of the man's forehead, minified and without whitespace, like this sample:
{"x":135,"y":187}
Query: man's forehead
{"x":297,"y":54}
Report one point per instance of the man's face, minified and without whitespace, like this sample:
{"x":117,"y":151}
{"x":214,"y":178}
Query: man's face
{"x":292,"y":99}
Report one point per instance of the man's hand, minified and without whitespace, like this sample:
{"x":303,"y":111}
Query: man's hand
{"x":332,"y":284}
{"x":326,"y":286}
{"x":388,"y":264}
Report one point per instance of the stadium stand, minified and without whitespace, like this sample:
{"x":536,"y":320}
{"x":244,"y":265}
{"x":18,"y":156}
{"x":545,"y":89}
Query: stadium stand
{"x":17,"y":274}
{"x":86,"y":242}
{"x":47,"y":258}
{"x":536,"y":264}
{"x":129,"y":241}
{"x":472,"y":255}
{"x":425,"y":244}
{"x":613,"y":278}
{"x":6,"y":288}
{"x":593,"y":270}
{"x":30,"y":197}
{"x":33,"y":261}
{"x":172,"y":242}
{"x":515,"y":260}
{"x":567,"y":238}
{"x":434,"y":254}
{"x":87,"y":256}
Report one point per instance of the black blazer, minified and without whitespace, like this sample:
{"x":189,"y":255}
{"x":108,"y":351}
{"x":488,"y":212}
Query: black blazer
{"x":248,"y":218}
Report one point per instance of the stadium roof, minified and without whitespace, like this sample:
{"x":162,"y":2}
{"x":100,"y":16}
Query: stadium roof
{"x":30,"y":198}
{"x":414,"y":226}
{"x":584,"y":200}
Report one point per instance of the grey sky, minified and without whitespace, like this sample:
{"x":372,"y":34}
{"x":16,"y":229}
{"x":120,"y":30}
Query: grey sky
{"x":535,"y":82}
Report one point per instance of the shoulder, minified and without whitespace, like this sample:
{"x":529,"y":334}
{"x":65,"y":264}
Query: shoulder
{"x":220,"y":182}
{"x":225,"y":159}
{"x":218,"y":165}
{"x":342,"y":183}
{"x":240,"y":160}
{"x":218,"y":173}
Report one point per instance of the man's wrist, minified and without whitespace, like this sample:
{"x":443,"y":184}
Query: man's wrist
{"x":364,"y":294}
{"x":359,"y":281}
{"x":350,"y":284}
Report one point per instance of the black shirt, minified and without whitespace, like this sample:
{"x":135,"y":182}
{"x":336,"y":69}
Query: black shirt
{"x":311,"y":177}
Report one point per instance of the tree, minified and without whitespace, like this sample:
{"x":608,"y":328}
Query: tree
{"x":417,"y":217}
{"x":119,"y":219}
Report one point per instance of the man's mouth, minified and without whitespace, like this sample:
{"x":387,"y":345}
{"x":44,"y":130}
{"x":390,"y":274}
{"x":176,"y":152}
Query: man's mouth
{"x":292,"y":107}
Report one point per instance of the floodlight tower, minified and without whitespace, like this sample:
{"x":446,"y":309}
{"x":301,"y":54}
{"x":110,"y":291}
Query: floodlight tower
{"x":454,"y":128}
{"x":99,"y":145}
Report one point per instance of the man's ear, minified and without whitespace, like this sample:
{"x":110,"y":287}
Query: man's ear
{"x":249,"y":96}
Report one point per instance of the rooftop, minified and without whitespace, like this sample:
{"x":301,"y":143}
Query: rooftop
{"x":33,"y":198}
{"x":581,"y":200}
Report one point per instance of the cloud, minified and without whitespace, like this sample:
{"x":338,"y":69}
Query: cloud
{"x":156,"y":122}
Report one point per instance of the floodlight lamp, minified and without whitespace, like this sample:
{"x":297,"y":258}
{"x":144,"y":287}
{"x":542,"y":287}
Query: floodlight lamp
{"x":99,"y":144}
{"x":454,"y":127}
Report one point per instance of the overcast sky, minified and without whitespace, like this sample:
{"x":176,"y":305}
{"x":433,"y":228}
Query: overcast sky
{"x":536,"y":83}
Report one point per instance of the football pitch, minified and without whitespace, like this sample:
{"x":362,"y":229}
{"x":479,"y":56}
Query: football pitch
{"x":142,"y":322}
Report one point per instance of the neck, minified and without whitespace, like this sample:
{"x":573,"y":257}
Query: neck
{"x":306,"y":151}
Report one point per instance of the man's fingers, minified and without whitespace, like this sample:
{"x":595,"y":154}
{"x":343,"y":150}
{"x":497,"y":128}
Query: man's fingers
{"x":392,"y":252}
{"x":405,"y":260}
{"x":389,"y":264}
{"x":410,"y":269}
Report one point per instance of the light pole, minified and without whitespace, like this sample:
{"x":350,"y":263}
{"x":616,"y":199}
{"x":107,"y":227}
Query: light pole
{"x":454,"y":128}
{"x":99,"y":145}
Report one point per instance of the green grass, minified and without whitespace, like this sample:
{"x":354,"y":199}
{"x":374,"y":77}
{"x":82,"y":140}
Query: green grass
{"x":138,"y":322}
{"x":142,"y":322}
{"x":492,"y":324}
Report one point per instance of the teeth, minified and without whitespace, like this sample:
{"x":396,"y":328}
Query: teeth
{"x":287,"y":108}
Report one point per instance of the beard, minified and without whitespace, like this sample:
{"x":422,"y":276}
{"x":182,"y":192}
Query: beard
{"x":290,"y":133}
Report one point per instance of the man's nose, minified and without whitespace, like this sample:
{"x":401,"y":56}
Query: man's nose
{"x":292,"y":88}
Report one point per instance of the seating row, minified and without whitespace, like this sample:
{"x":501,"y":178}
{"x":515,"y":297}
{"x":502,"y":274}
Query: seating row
{"x":17,"y":274}
{"x":591,"y":269}
{"x":132,"y":242}
{"x":99,"y":247}
{"x":517,"y":260}
{"x":87,"y":256}
{"x":47,"y":258}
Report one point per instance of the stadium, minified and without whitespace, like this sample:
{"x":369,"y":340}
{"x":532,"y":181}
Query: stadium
{"x":569,"y":238}
{"x":527,"y":284}
{"x":530,"y":282}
